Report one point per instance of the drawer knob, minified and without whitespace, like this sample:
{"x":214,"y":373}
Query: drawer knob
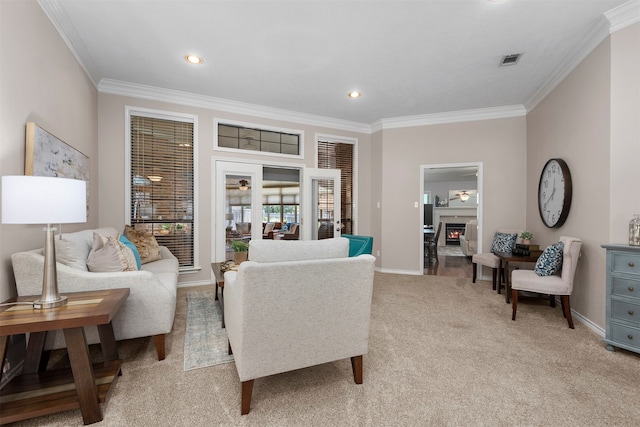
{"x":630,"y":312}
{"x":630,"y":337}
{"x":631,"y":264}
{"x":630,"y":288}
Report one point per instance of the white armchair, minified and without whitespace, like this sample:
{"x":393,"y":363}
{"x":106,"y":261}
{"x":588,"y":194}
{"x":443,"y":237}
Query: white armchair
{"x":490,"y":260}
{"x":557,"y":284}
{"x":469,"y":240}
{"x":296,"y":304}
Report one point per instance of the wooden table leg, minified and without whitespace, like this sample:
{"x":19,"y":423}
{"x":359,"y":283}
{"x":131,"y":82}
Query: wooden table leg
{"x":83,"y":375}
{"x":507,"y":283}
{"x":34,"y":352}
{"x":500,"y":275}
{"x":108,"y":342}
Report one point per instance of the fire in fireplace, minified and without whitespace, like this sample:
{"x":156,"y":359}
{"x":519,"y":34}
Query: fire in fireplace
{"x":453,"y":231}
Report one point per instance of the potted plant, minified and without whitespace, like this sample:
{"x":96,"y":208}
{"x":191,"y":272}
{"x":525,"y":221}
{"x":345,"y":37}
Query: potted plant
{"x":526,"y":237}
{"x":241,"y":250}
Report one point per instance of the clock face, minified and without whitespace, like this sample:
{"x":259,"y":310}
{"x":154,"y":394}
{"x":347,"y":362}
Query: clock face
{"x":554,"y":193}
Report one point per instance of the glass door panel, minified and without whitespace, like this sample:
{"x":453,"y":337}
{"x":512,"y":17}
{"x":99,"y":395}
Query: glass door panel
{"x":321,"y":204}
{"x":238,"y":207}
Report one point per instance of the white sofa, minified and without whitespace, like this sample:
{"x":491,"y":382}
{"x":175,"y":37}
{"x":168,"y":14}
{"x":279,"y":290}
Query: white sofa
{"x":296,"y":304}
{"x":148,"y":311}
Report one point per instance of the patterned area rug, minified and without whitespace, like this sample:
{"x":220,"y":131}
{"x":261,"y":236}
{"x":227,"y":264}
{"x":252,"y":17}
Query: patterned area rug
{"x":205,"y":342}
{"x":450,"y":251}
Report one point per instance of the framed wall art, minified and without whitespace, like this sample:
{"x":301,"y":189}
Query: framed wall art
{"x":47,"y":155}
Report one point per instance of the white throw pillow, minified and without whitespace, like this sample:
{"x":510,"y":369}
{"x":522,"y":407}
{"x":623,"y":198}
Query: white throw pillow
{"x":109,"y":254}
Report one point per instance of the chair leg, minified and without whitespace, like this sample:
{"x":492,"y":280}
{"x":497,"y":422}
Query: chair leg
{"x":247,"y":390}
{"x":495,"y":277}
{"x":159,"y":339}
{"x":514,"y":303}
{"x":566,"y":309}
{"x":356,"y":365}
{"x":475,"y":271}
{"x":230,"y":349}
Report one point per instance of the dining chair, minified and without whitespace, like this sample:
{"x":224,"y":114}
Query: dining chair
{"x":559,"y":283}
{"x":431,"y":245}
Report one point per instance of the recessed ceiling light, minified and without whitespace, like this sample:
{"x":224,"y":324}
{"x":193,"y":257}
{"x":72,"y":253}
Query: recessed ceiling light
{"x":193,"y":59}
{"x":354,"y":94}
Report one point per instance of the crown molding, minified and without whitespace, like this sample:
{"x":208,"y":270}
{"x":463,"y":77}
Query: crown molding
{"x":68,"y":33}
{"x":450,"y":117}
{"x":624,"y":15}
{"x":116,"y":87}
{"x":597,"y":35}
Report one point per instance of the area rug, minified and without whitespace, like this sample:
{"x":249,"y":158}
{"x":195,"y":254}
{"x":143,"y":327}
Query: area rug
{"x":205,"y":341}
{"x":450,"y":250}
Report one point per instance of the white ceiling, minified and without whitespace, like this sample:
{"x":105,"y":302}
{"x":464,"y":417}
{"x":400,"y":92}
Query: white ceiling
{"x":408,"y":58}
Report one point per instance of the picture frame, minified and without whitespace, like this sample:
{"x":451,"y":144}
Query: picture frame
{"x":47,"y":155}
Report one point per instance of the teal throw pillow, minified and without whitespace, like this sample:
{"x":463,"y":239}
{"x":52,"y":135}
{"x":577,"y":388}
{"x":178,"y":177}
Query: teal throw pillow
{"x":133,"y":248}
{"x":504,"y":242}
{"x":550,"y":262}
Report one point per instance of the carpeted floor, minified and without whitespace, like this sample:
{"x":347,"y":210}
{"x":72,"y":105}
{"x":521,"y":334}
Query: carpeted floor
{"x":442,"y":352}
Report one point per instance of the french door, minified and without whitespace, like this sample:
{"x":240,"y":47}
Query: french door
{"x":321,"y":204}
{"x":238,"y":202}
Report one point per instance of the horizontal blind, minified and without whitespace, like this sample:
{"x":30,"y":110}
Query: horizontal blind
{"x":162,"y":183}
{"x":337,"y":155}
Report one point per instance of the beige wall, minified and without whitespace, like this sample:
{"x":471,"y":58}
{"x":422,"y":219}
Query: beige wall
{"x":573,"y":123}
{"x":112,"y":158}
{"x":500,"y":145}
{"x":40,"y":81}
{"x":625,"y":131}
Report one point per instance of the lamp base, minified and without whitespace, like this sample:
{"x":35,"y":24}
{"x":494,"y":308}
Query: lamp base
{"x":40,"y":304}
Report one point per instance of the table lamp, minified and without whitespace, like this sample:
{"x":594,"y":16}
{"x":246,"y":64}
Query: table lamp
{"x":44,"y":200}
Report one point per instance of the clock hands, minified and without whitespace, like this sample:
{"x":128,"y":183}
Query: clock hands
{"x":552,"y":193}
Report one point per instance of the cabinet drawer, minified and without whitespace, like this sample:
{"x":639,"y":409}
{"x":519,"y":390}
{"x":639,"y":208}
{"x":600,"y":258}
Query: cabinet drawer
{"x":622,"y":262}
{"x":625,"y":287}
{"x":625,"y":335}
{"x":627,"y":311}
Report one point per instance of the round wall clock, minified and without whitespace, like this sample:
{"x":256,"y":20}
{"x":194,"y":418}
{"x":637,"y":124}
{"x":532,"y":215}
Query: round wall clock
{"x":554,"y":193}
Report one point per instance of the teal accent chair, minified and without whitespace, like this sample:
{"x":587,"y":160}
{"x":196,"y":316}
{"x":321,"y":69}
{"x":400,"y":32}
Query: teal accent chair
{"x":359,"y":245}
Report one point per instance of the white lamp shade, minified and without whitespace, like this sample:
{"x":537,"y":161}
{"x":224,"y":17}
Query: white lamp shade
{"x":43,"y":200}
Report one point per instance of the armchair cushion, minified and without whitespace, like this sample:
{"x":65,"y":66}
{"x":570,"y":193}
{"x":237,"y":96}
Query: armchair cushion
{"x":503,"y":242}
{"x":550,"y":262}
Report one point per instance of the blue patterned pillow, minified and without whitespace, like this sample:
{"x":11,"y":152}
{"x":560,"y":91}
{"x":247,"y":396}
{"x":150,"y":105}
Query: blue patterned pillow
{"x":504,"y":242}
{"x":550,"y":262}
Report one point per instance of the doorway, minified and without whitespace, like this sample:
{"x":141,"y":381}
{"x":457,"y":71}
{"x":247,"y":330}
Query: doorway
{"x":452,"y":195}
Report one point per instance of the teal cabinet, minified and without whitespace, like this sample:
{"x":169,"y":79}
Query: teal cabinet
{"x":623,"y":297}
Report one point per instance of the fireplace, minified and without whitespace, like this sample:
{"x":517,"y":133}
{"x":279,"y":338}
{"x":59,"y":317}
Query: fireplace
{"x":453,"y":231}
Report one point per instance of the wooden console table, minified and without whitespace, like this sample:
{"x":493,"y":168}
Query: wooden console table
{"x":84,"y":386}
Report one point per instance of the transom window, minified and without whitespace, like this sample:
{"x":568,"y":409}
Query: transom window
{"x":252,"y":139}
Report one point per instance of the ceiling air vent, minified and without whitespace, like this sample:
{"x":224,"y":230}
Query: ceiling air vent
{"x":510,"y":59}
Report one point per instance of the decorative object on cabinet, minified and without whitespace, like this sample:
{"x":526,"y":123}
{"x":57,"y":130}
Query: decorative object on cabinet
{"x":554,"y":193}
{"x":634,"y":230}
{"x":623,"y":298}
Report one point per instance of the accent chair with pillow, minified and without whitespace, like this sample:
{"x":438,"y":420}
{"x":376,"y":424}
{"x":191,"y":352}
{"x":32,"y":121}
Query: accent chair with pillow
{"x":503,"y":241}
{"x":103,"y":259}
{"x":311,"y":309}
{"x":553,"y":275}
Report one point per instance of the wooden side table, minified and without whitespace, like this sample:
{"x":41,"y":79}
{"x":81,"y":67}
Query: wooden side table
{"x":82,"y":386}
{"x":505,"y":259}
{"x":218,"y":278}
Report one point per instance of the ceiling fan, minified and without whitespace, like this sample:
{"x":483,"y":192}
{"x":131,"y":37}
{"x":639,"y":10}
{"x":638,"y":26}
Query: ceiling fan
{"x":244,"y":185}
{"x":463,"y":196}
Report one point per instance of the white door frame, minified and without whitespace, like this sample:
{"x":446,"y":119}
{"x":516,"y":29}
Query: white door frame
{"x":308,"y":200}
{"x":479,"y":211}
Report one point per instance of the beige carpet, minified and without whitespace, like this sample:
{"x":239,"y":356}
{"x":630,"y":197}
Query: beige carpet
{"x":442,"y":351}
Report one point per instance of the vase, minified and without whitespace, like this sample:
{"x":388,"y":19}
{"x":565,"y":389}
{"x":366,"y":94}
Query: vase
{"x":526,"y":241}
{"x":634,"y":230}
{"x":239,"y":257}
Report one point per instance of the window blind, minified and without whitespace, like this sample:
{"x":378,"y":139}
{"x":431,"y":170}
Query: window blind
{"x":162,"y":187}
{"x":338,"y":155}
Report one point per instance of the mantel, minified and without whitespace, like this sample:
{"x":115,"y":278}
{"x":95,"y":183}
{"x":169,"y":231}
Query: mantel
{"x":457,"y":211}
